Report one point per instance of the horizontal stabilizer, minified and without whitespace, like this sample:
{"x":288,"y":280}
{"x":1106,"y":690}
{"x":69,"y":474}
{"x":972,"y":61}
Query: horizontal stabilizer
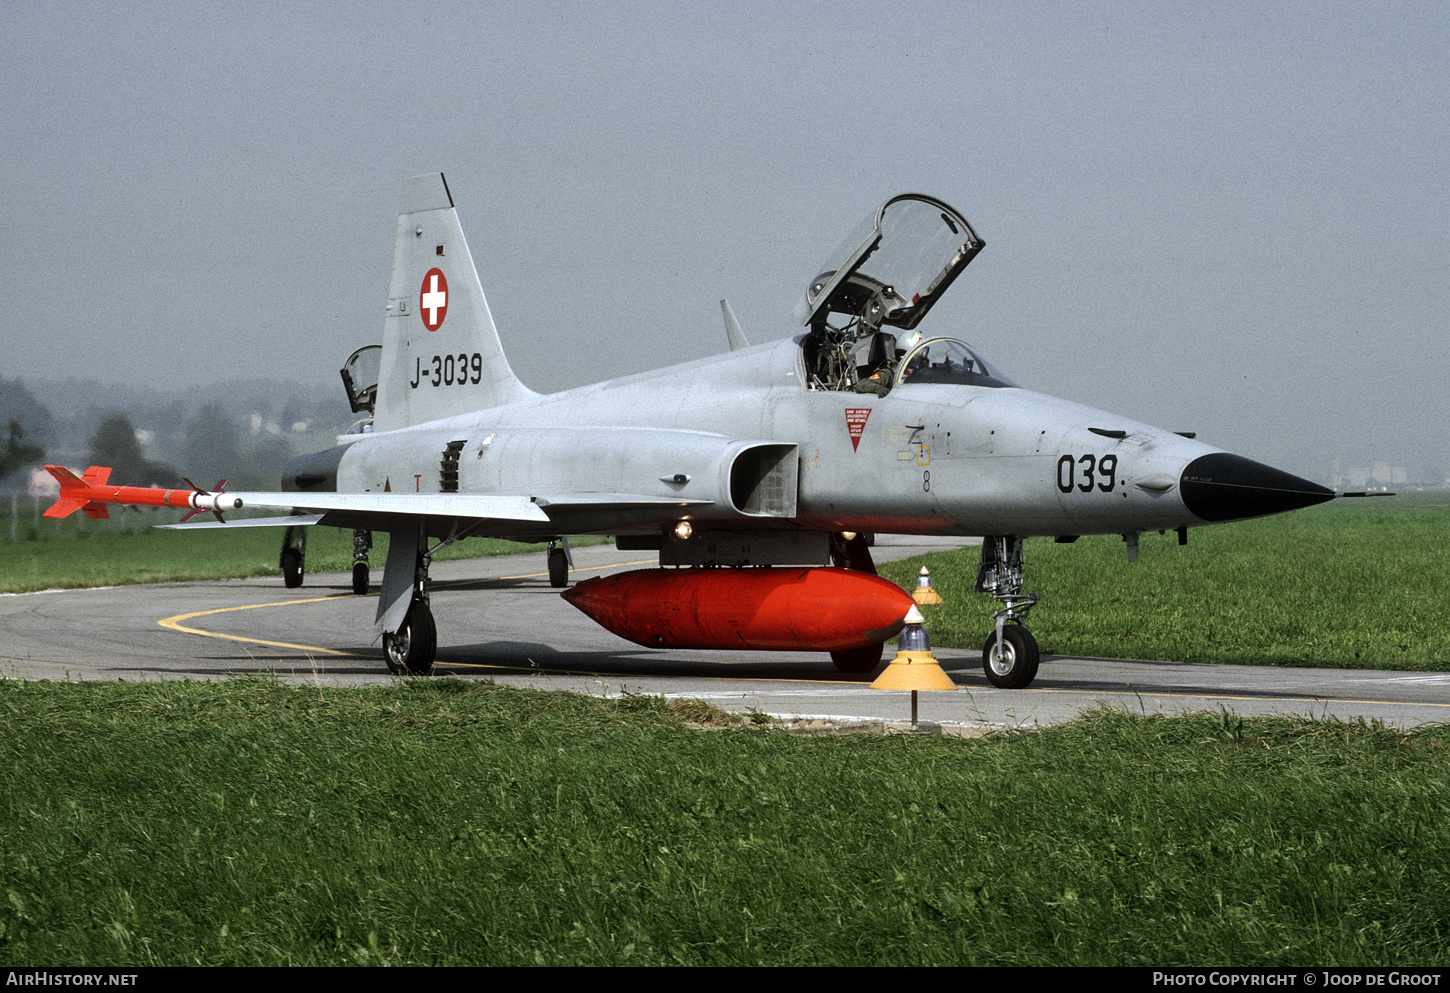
{"x":65,"y":507}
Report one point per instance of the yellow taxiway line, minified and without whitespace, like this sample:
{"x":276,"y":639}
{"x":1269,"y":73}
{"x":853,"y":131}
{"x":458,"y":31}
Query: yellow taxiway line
{"x":175,"y":623}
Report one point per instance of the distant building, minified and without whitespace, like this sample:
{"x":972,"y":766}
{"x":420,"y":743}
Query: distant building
{"x":1379,"y":474}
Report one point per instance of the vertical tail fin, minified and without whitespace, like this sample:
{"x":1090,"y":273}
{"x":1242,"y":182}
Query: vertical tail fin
{"x":441,"y":352}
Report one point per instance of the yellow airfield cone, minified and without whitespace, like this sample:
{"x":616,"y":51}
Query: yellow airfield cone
{"x":914,"y":667}
{"x":923,"y":592}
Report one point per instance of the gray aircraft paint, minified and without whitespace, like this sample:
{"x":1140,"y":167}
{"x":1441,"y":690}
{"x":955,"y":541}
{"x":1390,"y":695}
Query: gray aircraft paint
{"x":736,"y":441}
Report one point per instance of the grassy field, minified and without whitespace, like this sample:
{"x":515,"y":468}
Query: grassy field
{"x":1351,"y":584}
{"x":442,"y":822}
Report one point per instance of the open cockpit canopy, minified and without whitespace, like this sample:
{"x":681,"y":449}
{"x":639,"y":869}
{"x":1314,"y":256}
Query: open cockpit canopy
{"x":894,"y":266}
{"x":887,"y":274}
{"x":360,"y":377}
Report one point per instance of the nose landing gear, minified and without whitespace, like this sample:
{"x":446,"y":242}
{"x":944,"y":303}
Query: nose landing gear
{"x":1010,"y":656}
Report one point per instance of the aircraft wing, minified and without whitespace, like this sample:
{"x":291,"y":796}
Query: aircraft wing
{"x":488,"y":506}
{"x":612,"y":501}
{"x":509,"y":514}
{"x":554,"y":509}
{"x":401,"y":513}
{"x":291,"y":520}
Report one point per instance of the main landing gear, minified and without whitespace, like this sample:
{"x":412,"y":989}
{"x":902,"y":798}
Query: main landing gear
{"x":411,"y":647}
{"x":559,"y":563}
{"x":410,"y":638}
{"x":410,"y":650}
{"x":294,"y":556}
{"x":362,"y":543}
{"x":1010,"y":656}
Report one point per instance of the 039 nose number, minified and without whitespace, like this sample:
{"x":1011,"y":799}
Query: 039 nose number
{"x":1084,"y":472}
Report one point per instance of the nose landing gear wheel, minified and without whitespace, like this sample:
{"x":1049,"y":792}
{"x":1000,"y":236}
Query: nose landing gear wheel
{"x":360,"y":578}
{"x":1014,"y":665}
{"x":411,"y":648}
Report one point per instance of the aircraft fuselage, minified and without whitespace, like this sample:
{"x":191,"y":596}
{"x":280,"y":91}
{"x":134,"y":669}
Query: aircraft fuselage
{"x":928,"y":458}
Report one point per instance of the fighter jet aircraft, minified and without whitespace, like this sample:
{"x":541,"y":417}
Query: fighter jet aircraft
{"x":757,"y":474}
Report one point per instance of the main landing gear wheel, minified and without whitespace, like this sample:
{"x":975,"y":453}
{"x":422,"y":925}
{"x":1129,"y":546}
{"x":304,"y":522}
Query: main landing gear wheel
{"x":1014,"y":666}
{"x":558,"y":568}
{"x":291,"y":568}
{"x":362,"y":543}
{"x":859,"y":660}
{"x":294,"y":555}
{"x":411,"y":648}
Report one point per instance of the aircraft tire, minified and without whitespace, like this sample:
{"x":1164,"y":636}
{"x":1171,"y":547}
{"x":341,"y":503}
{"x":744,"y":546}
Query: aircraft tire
{"x":292,"y":569}
{"x":858,"y":660}
{"x":1015,"y":666}
{"x":558,"y":568}
{"x":360,"y":578}
{"x":410,"y":650}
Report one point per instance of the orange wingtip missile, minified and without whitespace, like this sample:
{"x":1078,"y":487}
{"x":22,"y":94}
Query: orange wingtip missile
{"x":90,"y":494}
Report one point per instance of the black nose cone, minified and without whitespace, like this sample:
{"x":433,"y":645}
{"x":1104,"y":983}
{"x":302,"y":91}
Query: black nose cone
{"x":1224,"y":487}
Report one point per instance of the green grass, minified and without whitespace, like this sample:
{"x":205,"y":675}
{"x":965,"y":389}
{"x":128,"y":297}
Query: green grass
{"x":1350,"y":584}
{"x":76,"y":552}
{"x":442,"y":822}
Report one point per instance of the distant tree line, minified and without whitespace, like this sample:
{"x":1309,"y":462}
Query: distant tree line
{"x":17,"y":454}
{"x":212,"y":449}
{"x":115,"y":444}
{"x":28,"y":425}
{"x":244,"y":432}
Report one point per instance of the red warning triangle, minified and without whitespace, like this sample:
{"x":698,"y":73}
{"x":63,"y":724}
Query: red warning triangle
{"x":856,"y":423}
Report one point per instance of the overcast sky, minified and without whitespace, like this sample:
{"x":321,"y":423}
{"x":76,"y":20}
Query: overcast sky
{"x":1227,"y":218}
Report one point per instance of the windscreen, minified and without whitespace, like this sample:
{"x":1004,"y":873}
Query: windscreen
{"x":947,"y":360}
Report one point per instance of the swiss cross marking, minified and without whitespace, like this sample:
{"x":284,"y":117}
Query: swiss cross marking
{"x":433,"y":299}
{"x":856,"y":423}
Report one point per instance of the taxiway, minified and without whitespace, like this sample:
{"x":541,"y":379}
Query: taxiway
{"x":499,"y":619}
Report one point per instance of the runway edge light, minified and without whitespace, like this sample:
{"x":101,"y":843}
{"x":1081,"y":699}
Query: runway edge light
{"x":914,"y":668}
{"x":924,"y":593}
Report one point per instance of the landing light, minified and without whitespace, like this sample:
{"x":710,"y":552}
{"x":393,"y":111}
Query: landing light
{"x":683,"y":530}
